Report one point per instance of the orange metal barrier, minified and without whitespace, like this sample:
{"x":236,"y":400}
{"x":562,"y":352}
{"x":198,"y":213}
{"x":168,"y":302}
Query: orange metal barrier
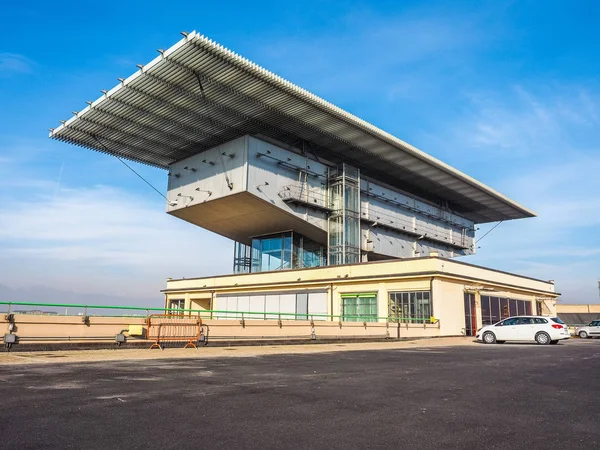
{"x":174,"y":327}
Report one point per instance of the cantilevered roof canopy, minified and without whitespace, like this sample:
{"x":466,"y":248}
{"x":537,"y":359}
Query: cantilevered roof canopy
{"x":197,"y":95}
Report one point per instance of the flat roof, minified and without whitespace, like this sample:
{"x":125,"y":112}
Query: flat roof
{"x":455,"y":268}
{"x":197,"y":95}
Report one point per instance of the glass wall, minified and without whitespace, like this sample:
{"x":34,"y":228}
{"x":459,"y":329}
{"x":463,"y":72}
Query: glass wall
{"x":285,"y":251}
{"x":242,"y":258}
{"x":410,"y":307}
{"x":494,"y":309}
{"x":307,"y":253}
{"x":272,"y":252}
{"x":344,"y":220}
{"x":285,"y":305}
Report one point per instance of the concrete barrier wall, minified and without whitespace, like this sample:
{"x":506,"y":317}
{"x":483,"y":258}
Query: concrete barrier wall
{"x":41,"y":328}
{"x":72,"y":327}
{"x":581,"y":309}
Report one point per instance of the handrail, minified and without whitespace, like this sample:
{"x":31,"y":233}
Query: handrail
{"x":210,"y":312}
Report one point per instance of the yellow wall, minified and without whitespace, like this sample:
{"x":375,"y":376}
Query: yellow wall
{"x":372,"y":272}
{"x":449,"y":280}
{"x":582,"y":309}
{"x":448,"y":307}
{"x":382,"y":289}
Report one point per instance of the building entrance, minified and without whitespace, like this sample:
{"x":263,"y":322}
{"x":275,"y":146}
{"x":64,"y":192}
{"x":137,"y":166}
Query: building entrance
{"x":470,"y":315}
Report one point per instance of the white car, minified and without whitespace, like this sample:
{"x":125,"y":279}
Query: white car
{"x":589,"y":331}
{"x":543,"y":330}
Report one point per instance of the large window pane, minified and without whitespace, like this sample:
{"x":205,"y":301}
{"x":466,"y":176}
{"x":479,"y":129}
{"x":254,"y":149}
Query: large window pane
{"x":287,"y":252}
{"x":301,"y":306}
{"x":360,"y":308}
{"x":513,"y":307}
{"x":504,"y":308}
{"x":495,"y":313}
{"x":317,"y":304}
{"x":273,"y":252}
{"x":486,"y":313}
{"x":410,"y":307}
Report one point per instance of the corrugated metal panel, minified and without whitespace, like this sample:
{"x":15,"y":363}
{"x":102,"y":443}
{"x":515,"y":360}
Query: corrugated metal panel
{"x":197,"y":95}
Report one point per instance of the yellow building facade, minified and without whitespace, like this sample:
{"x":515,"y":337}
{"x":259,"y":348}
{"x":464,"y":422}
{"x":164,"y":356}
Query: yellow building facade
{"x":448,"y":297}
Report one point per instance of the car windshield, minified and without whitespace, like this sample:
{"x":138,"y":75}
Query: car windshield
{"x":557,"y":320}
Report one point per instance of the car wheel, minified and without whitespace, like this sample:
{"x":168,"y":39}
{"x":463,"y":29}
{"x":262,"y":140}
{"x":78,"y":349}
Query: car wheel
{"x":553,"y":342}
{"x":542,"y":338}
{"x":489,"y":337}
{"x":583,"y":335}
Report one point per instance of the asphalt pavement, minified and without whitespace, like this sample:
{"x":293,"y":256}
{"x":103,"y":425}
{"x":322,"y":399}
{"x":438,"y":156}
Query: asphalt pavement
{"x":469,"y":397}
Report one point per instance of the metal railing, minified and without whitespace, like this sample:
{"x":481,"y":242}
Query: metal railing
{"x":306,"y":196}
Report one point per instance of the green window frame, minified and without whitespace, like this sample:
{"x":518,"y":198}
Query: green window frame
{"x":359,"y":307}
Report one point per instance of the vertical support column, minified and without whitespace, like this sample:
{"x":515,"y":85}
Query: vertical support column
{"x":383,"y":306}
{"x":187,"y":304}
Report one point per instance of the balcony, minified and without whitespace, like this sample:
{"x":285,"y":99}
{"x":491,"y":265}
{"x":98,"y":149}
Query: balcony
{"x":301,"y":195}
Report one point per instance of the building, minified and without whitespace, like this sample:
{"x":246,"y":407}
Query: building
{"x":578,"y":314}
{"x":328,"y":213}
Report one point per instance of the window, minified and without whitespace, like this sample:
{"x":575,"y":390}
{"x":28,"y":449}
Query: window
{"x":271,"y":252}
{"x":176,"y":304}
{"x":359,"y":307}
{"x":540,"y":321}
{"x":410,"y":307}
{"x":287,"y":305}
{"x":494,"y":309}
{"x":557,"y":320}
{"x":512,"y":321}
{"x":306,"y":253}
{"x":526,"y":321}
{"x":278,"y":252}
{"x":302,"y":306}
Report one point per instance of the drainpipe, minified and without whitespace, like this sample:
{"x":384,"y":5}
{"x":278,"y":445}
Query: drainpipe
{"x":431,"y":311}
{"x":431,"y":294}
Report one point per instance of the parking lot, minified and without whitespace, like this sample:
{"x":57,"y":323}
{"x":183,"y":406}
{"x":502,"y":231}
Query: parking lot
{"x":438,"y":397}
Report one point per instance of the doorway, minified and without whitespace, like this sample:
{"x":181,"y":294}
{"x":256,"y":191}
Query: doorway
{"x":470,"y":315}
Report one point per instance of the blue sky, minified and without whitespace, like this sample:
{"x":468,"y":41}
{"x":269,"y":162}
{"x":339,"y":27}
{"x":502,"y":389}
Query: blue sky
{"x":507,"y":92}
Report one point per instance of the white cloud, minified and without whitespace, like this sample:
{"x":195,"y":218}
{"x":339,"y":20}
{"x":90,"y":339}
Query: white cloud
{"x":100,"y":239}
{"x":523,"y":121}
{"x":370,"y":53}
{"x":11,"y":63}
{"x":540,"y":145}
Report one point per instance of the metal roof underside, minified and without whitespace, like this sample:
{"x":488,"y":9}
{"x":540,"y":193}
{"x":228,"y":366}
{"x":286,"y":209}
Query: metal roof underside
{"x":197,"y":95}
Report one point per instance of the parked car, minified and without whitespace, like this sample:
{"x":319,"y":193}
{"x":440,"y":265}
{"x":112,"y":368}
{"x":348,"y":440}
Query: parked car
{"x":589,"y":331}
{"x":543,"y":330}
